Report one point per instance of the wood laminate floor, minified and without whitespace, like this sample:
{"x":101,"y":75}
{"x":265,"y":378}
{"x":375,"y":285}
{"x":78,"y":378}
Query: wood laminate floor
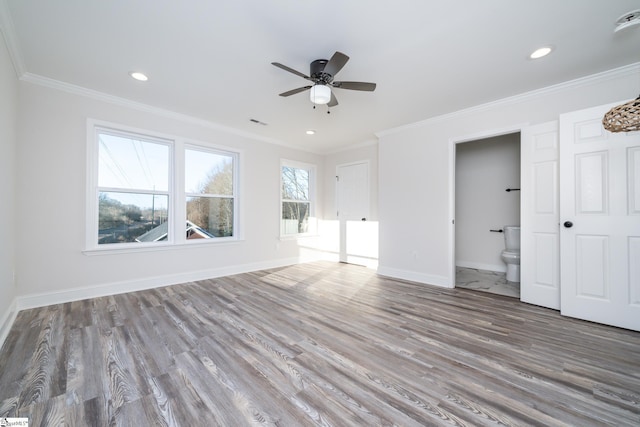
{"x":315,"y":344}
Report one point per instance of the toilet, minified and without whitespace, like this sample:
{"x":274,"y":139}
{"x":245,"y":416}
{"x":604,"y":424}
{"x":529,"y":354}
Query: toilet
{"x":511,"y":254}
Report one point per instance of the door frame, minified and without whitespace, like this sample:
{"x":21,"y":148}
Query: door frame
{"x":453,"y":142}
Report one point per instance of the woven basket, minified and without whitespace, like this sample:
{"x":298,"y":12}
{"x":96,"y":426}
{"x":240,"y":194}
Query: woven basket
{"x":623,"y":118}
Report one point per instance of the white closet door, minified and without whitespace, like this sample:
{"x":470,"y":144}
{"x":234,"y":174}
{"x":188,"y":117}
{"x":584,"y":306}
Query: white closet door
{"x":540,"y":240}
{"x":358,"y":235}
{"x":600,"y":216}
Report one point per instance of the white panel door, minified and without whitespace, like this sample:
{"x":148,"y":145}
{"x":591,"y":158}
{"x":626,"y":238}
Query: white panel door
{"x":540,"y":215}
{"x":358,"y":235}
{"x":600,"y":215}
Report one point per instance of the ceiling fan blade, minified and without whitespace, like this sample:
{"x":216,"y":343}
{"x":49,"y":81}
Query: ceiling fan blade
{"x":335,"y":64}
{"x":294,"y":91}
{"x":368,"y":87}
{"x":291,"y":70}
{"x":333,"y":101}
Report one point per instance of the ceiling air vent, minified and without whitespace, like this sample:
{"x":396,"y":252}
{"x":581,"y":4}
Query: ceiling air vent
{"x":627,"y":20}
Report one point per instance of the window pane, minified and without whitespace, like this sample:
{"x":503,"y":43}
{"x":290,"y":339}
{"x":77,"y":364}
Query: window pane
{"x":295,"y":183}
{"x":295,"y":217}
{"x":132,"y":163}
{"x":213,"y":215}
{"x":208,"y":173}
{"x":127,"y":217}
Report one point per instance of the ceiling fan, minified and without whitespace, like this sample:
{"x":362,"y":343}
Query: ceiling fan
{"x":322,"y":73}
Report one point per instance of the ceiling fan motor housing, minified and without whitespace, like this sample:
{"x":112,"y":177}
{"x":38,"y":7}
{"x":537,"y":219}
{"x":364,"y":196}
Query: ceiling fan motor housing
{"x":316,"y":71}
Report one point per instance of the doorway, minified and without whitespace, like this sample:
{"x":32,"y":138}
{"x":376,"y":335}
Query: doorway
{"x":487,"y":199}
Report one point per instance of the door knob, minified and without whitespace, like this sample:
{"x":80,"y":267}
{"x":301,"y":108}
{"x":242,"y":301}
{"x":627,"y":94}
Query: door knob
{"x":568,"y":224}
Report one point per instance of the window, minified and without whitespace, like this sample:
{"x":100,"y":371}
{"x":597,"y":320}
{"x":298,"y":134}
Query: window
{"x":297,"y":203}
{"x":133,"y":187}
{"x":209,"y":190}
{"x":144,"y":196}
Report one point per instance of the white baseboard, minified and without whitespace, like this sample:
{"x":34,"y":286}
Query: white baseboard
{"x":480,"y":266}
{"x":79,"y":293}
{"x":414,"y":276}
{"x":6,"y":322}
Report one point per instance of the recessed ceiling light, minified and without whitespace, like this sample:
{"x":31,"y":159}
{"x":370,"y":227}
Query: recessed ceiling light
{"x":311,"y":132}
{"x":539,"y":53}
{"x":139,"y":76}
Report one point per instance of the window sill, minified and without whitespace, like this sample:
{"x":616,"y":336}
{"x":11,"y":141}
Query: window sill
{"x":157,"y":247}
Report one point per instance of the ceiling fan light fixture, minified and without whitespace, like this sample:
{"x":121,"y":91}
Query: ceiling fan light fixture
{"x":320,"y":94}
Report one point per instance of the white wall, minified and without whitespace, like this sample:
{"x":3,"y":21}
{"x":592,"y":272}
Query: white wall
{"x":8,"y":142}
{"x":484,"y":170}
{"x":52,"y":126}
{"x":415,"y":167}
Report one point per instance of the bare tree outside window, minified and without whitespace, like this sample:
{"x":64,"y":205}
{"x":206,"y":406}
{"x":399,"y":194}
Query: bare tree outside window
{"x":296,"y":201}
{"x":212,"y":208}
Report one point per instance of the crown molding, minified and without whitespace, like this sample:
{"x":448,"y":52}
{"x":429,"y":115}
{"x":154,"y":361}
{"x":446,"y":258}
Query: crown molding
{"x":604,"y":76}
{"x":139,"y":106}
{"x":9,"y":34}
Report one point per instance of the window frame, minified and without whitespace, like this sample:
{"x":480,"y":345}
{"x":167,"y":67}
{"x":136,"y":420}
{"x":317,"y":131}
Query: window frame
{"x":176,"y":192}
{"x":312,"y":222}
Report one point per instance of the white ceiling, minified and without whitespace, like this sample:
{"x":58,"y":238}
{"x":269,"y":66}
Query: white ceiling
{"x":212,"y":59}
